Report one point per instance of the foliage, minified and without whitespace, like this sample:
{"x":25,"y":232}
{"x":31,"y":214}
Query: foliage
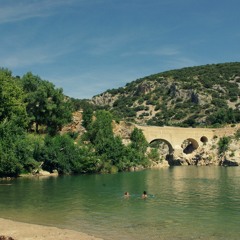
{"x":79,"y":104}
{"x":221,"y":116}
{"x":154,"y":155}
{"x":46,"y":105}
{"x":223,"y":144}
{"x":138,"y":141}
{"x":87,"y":117}
{"x":16,"y":150}
{"x":61,"y":154}
{"x":11,"y":99}
{"x":237,"y":134}
{"x":110,"y":148}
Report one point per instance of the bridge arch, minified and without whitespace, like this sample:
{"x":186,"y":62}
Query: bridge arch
{"x":204,"y":139}
{"x":170,"y":147}
{"x":189,"y":145}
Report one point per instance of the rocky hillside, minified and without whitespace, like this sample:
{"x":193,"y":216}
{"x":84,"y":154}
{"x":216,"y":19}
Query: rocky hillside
{"x":196,"y":96}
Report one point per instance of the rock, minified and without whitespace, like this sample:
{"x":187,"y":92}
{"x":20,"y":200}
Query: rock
{"x":228,"y":163}
{"x":6,"y":238}
{"x":194,"y":98}
{"x":44,"y":173}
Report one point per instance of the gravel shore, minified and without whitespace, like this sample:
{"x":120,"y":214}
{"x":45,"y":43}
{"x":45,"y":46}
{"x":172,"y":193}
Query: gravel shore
{"x":25,"y":231}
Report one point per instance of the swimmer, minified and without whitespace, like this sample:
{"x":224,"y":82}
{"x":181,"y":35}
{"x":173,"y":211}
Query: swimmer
{"x":126,"y":195}
{"x":144,"y":195}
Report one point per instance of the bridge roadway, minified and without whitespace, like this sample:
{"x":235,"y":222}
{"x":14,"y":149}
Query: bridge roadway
{"x":175,"y":137}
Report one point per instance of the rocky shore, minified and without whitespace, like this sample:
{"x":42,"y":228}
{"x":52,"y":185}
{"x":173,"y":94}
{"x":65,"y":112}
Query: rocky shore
{"x":24,"y":231}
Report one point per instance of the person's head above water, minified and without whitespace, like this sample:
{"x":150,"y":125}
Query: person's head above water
{"x":144,"y":195}
{"x":126,"y":194}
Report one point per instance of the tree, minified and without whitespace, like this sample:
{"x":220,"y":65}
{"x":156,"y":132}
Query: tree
{"x":221,"y":116}
{"x":138,"y":141}
{"x":108,"y":147}
{"x":59,"y":153}
{"x":16,"y":150}
{"x":62,"y":154}
{"x":223,"y":145}
{"x":11,"y":99}
{"x":59,"y":111}
{"x":138,"y":147}
{"x":46,"y":105}
{"x":101,"y":129}
{"x":87,"y":117}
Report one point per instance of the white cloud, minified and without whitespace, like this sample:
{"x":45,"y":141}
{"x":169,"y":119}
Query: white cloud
{"x":21,"y":10}
{"x":26,"y":58}
{"x":32,"y":56}
{"x":105,"y":44}
{"x":164,"y":51}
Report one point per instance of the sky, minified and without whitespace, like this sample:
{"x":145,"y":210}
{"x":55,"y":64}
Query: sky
{"x":89,"y":46}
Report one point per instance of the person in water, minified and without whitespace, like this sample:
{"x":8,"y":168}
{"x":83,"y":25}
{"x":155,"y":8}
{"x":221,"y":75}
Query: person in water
{"x":144,"y":195}
{"x":126,"y":195}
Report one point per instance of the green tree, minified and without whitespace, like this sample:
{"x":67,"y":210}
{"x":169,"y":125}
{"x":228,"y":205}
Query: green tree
{"x":138,"y":148}
{"x":11,"y":99}
{"x":62,"y":154}
{"x":16,"y":150}
{"x":221,"y":116}
{"x":138,"y":141}
{"x":154,"y":155}
{"x":223,"y":145}
{"x":59,"y":153}
{"x":109,"y":148}
{"x":59,"y":111}
{"x":87,"y":117}
{"x":46,"y":105}
{"x":100,"y":131}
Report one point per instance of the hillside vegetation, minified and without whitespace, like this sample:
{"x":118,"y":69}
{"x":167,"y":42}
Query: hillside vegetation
{"x":202,"y":96}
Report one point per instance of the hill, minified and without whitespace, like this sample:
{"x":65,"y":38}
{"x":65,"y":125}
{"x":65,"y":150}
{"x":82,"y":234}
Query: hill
{"x":194,"y":96}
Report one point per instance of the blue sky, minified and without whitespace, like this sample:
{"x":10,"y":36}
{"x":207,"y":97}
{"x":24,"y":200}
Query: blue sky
{"x":89,"y":46}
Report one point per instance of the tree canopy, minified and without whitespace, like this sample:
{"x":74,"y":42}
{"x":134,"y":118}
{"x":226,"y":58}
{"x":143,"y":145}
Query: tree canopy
{"x":46,"y":105}
{"x":12,"y":99}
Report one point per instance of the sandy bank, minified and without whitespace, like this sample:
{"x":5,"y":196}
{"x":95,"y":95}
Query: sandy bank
{"x":25,"y":231}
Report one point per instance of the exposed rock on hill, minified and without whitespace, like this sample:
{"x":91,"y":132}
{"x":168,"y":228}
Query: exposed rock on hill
{"x":194,"y":96}
{"x":123,"y":130}
{"x":76,"y":125}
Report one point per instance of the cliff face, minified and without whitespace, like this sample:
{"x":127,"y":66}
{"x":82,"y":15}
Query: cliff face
{"x":76,"y":125}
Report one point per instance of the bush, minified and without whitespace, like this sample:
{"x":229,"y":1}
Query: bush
{"x":16,"y":150}
{"x":223,"y":144}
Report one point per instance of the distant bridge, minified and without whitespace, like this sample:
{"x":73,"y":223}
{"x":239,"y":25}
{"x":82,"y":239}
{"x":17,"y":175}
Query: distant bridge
{"x":175,"y":137}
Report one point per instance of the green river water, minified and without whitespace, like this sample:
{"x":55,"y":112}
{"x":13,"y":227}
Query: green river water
{"x":183,"y":203}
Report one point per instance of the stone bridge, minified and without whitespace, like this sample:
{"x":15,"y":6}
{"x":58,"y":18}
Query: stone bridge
{"x":176,"y":137}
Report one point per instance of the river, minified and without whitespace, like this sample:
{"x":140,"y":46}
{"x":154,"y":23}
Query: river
{"x":186,"y":202}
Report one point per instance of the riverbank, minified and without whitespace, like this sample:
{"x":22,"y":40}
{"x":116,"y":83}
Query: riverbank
{"x":25,"y":231}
